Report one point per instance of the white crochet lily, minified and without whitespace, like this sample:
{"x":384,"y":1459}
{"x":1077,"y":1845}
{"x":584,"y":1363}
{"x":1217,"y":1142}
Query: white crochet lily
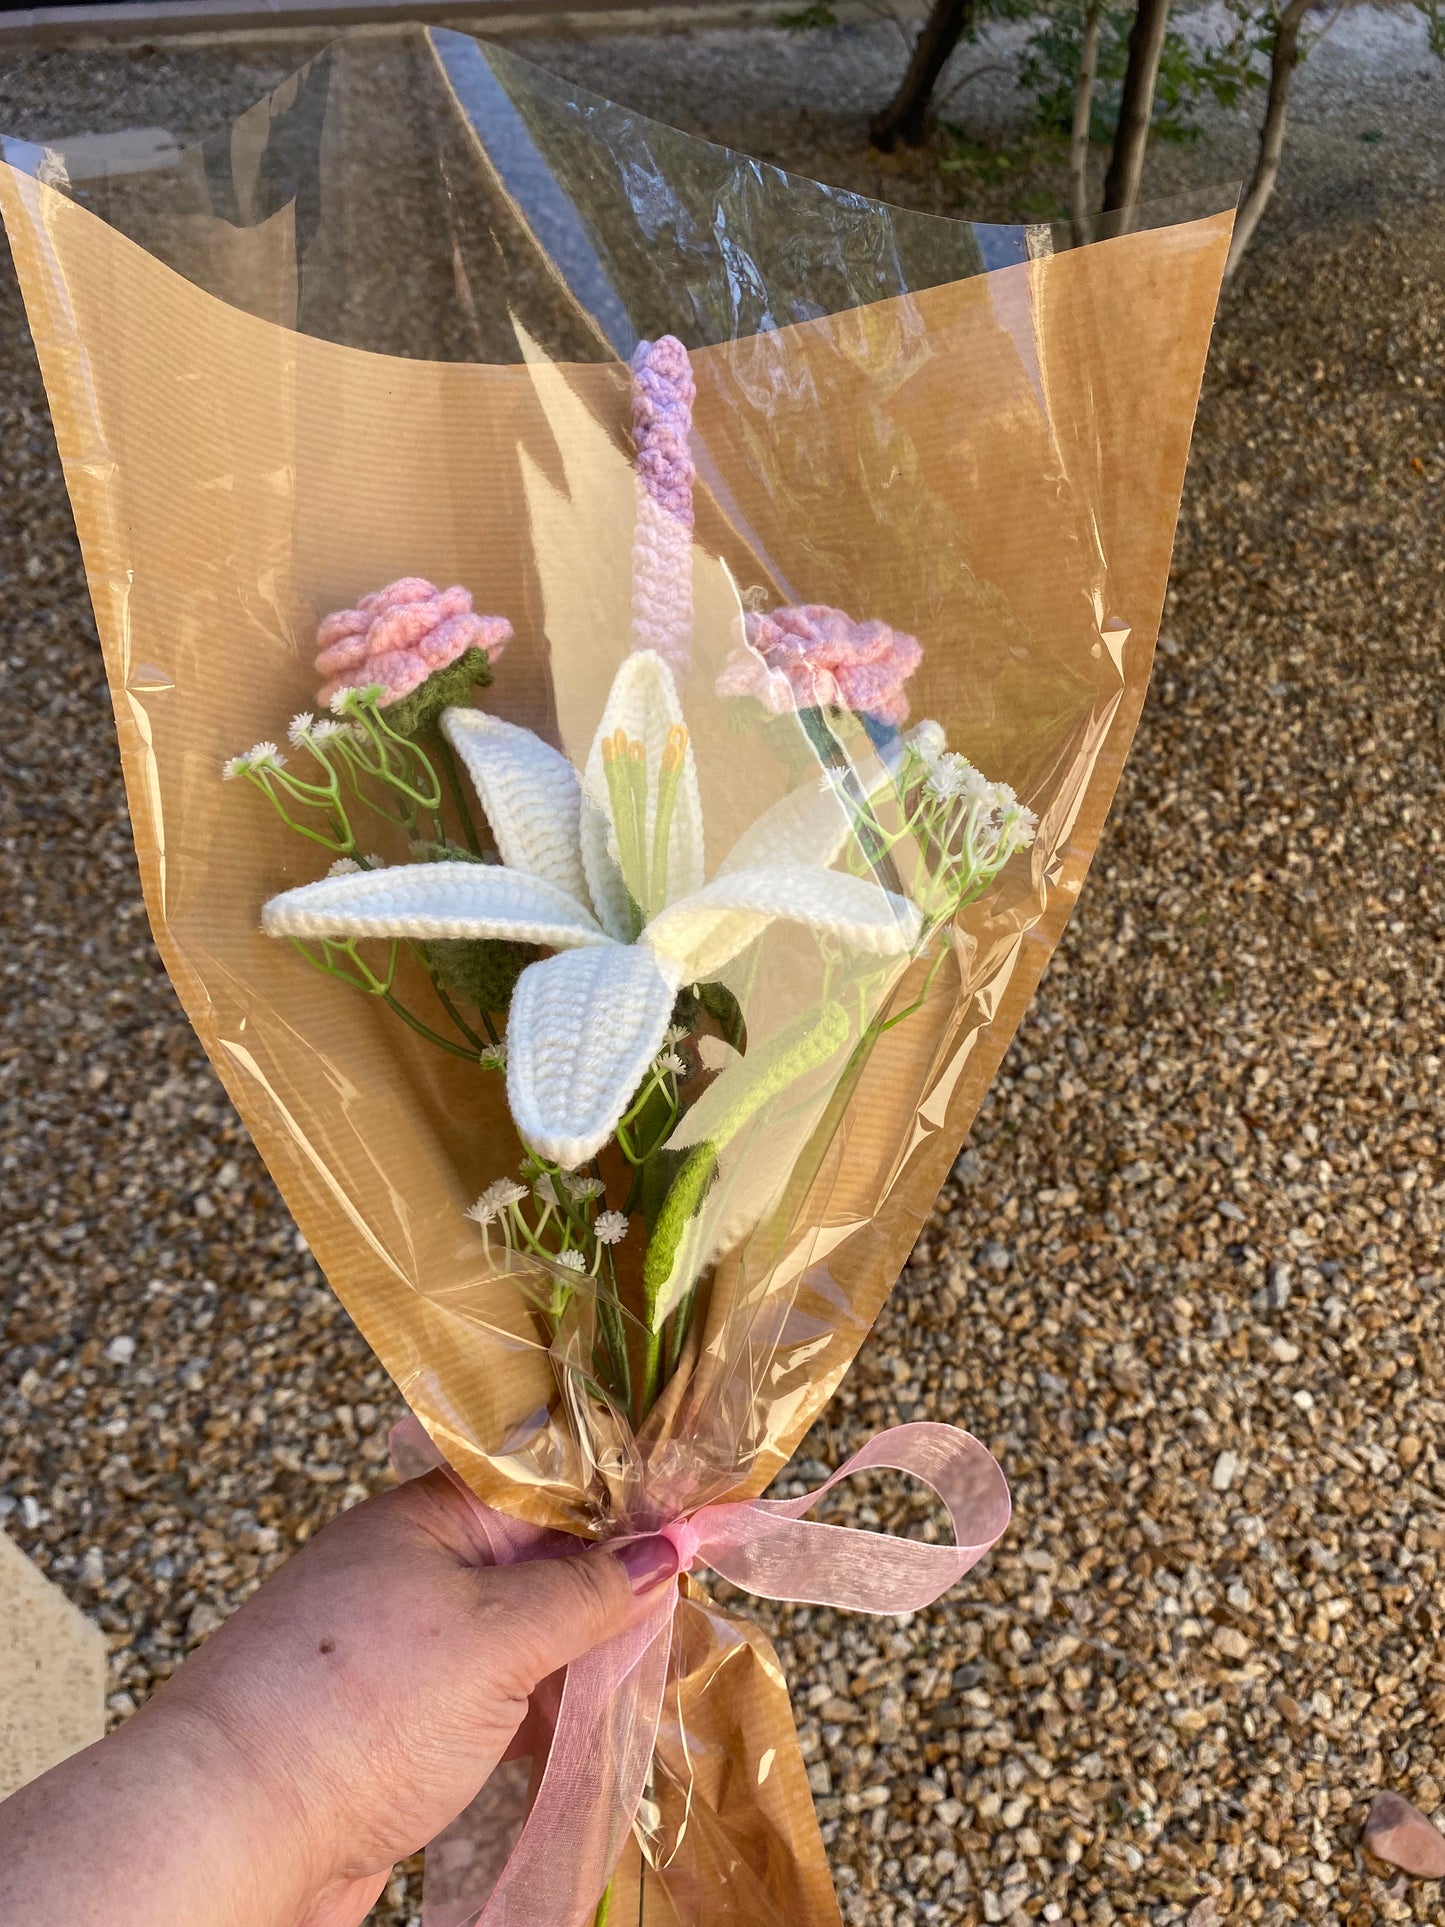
{"x":605,"y":870}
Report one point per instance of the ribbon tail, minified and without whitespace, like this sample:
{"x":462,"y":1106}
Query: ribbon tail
{"x":593,"y":1783}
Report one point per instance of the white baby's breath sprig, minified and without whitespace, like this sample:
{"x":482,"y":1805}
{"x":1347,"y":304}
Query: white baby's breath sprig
{"x":500,"y":1195}
{"x":570,"y":1260}
{"x":582,"y":1190}
{"x":610,"y":1228}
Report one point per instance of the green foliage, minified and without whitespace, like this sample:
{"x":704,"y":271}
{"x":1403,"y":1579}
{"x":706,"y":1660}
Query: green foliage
{"x":483,"y":969}
{"x":719,"y":1003}
{"x":817,"y":13}
{"x":1434,"y":12}
{"x":682,"y":1202}
{"x":1188,"y":75}
{"x":981,"y":164}
{"x":449,"y":688}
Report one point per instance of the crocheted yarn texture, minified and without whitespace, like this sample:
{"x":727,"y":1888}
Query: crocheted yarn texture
{"x":663,"y":393}
{"x":400,"y":635}
{"x":814,"y":656}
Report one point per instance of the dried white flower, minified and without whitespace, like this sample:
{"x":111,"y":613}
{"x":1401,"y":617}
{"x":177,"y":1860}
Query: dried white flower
{"x":323,"y":731}
{"x":234,"y":766}
{"x":673,"y":1064}
{"x":494,"y":1059}
{"x":573,"y":1260}
{"x":499,"y":1196}
{"x":346,"y":702}
{"x":949,"y":776}
{"x":344,"y":866}
{"x":545,"y":1189}
{"x":674,"y":1034}
{"x":583,"y":1190}
{"x":610,"y":1228}
{"x":300,"y":727}
{"x":265,"y":756}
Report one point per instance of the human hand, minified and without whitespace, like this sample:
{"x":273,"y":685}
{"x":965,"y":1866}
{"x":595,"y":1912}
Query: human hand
{"x":336,"y":1723}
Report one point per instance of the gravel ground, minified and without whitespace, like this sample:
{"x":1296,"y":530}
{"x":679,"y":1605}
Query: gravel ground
{"x":1185,"y":1279}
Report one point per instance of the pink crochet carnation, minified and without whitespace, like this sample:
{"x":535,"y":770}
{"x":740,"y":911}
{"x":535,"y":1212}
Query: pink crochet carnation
{"x":816,"y":657}
{"x":399,"y":635}
{"x":663,"y":393}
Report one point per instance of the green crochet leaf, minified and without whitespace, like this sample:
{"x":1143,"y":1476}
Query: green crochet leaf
{"x":719,"y":1003}
{"x":484,"y":969}
{"x":725,"y":1010}
{"x":684,"y":1199}
{"x":449,"y":688}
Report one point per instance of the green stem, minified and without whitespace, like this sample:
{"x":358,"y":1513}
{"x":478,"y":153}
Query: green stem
{"x":651,"y":1372}
{"x":458,"y":795}
{"x":425,"y":1030}
{"x":451,"y":1010}
{"x":614,"y":1333}
{"x":604,"y":1905}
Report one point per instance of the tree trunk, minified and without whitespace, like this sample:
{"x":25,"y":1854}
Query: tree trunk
{"x":1284,"y":58}
{"x":1136,"y":109}
{"x":1083,"y":121}
{"x":905,"y":118}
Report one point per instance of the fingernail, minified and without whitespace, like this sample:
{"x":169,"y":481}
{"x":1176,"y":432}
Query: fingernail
{"x":647,"y":1562}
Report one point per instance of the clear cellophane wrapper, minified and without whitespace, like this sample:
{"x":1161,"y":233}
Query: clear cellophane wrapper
{"x":381,"y":328}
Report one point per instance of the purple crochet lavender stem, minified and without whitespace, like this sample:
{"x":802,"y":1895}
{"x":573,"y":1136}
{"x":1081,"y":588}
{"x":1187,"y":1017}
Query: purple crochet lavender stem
{"x":663,"y":393}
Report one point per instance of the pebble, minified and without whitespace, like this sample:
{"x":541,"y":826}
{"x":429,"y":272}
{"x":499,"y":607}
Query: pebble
{"x":1399,"y":1833}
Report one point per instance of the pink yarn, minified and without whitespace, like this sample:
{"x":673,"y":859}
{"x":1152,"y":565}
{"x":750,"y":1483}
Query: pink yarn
{"x":814,"y":656}
{"x":397,"y":636}
{"x":663,"y":392}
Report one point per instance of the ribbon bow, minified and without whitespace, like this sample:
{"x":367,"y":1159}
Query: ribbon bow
{"x":611,"y":1703}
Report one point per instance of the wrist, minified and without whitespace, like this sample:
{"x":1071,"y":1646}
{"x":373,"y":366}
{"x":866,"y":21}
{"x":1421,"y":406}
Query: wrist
{"x":227,"y":1785}
{"x":163,"y":1824}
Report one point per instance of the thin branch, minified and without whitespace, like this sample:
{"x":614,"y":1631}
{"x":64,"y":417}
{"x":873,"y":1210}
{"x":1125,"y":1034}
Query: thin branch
{"x":1284,"y":58}
{"x":989,"y":67}
{"x":1083,"y":122}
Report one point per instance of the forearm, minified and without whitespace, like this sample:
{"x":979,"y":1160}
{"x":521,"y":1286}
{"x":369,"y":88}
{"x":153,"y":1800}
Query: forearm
{"x":160,"y":1825}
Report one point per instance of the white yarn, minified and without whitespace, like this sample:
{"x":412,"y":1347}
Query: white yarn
{"x":425,"y":900}
{"x":581,"y":1032}
{"x":586,"y":1023}
{"x":530,"y":793}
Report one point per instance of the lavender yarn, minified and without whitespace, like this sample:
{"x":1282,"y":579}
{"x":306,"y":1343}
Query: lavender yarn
{"x":663,"y":392}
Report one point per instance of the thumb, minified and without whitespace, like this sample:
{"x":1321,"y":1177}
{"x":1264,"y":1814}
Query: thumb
{"x":546,"y":1612}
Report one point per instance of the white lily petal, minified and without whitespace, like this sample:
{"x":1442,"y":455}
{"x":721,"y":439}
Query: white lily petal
{"x":530,"y":793}
{"x":424,"y":900}
{"x":643,"y":704}
{"x":605,"y":885}
{"x":702,"y":932}
{"x":582,"y":1030}
{"x":809,"y":825}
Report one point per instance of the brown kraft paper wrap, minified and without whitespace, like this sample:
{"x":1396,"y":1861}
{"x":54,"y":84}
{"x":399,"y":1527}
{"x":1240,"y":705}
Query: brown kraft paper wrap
{"x":993,"y":461}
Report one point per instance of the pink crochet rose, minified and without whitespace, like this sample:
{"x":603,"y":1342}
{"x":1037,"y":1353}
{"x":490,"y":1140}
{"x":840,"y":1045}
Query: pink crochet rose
{"x":816,"y":657}
{"x":399,"y":635}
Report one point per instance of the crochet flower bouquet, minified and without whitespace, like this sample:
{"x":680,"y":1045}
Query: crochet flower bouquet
{"x":687,"y":624}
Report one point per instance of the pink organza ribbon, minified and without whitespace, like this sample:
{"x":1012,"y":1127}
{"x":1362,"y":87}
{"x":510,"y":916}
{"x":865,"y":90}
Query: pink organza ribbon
{"x":611,"y":1701}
